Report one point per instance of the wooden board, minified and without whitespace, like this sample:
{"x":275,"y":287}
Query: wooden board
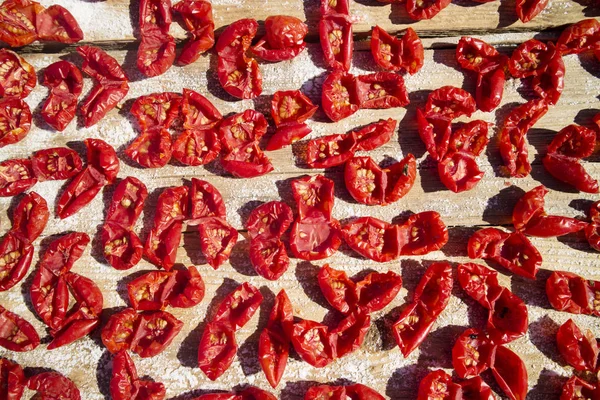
{"x":378,"y":363}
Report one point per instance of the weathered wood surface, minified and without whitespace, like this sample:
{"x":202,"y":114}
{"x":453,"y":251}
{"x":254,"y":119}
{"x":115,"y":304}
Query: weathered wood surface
{"x":379,"y":363}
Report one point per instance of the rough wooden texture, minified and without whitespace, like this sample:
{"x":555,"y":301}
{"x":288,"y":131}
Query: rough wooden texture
{"x":378,"y":364}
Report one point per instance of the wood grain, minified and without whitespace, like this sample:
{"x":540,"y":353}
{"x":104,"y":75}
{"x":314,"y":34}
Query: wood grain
{"x":378,"y":363}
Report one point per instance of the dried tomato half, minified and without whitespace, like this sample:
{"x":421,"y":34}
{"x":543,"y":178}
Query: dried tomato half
{"x":284,"y":38}
{"x":17,"y":22}
{"x":198,"y":111}
{"x":329,"y":151}
{"x":127,"y":202}
{"x":155,"y":331}
{"x":217,"y":349}
{"x":80,"y":191}
{"x":118,"y":332}
{"x":576,"y":387}
{"x":238,"y":307}
{"x":57,"y":24}
{"x":471,"y":353}
{"x":52,"y":385}
{"x":339,"y":95}
{"x":459,"y":171}
{"x":151,"y":149}
{"x":269,"y":220}
{"x":449,"y":102}
{"x":30,"y":217}
{"x":335,"y":32}
{"x":572,"y":293}
{"x":15,"y":259}
{"x":198,"y":19}
{"x":394,"y":54}
{"x":121,"y":246}
{"x":510,"y":372}
{"x":66,"y":84}
{"x":156,"y":109}
{"x":188,"y":289}
{"x":373,"y":239}
{"x":579,"y":37}
{"x":16,"y":176}
{"x":418,"y":10}
{"x":291,"y":106}
{"x":16,"y":334}
{"x":125,"y":383}
{"x":12,"y":380}
{"x":529,"y":58}
{"x":338,"y":289}
{"x":102,"y":157}
{"x":315,"y":239}
{"x":422,"y":233}
{"x":150,"y":291}
{"x":242,"y":129}
{"x":579,"y":349}
{"x":471,"y":137}
{"x":569,"y":170}
{"x":529,"y":9}
{"x":240,"y":77}
{"x":350,"y":333}
{"x":205,"y":201}
{"x":435,"y":132}
{"x":313,"y":343}
{"x":248,"y":161}
{"x":374,"y":135}
{"x":197,"y":147}
{"x":217,"y":239}
{"x":156,"y":53}
{"x":15,"y":121}
{"x":17,"y":76}
{"x":438,"y":385}
{"x":313,"y":196}
{"x":476,"y":55}
{"x":381,"y":90}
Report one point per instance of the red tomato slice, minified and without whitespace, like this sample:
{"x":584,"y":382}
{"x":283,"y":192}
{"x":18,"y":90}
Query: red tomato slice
{"x":291,"y":106}
{"x":269,"y":220}
{"x":80,"y":191}
{"x":17,"y":22}
{"x":15,"y":258}
{"x":205,"y":201}
{"x":365,"y":181}
{"x":248,"y":161}
{"x":30,"y":217}
{"x":471,"y":353}
{"x":238,"y":307}
{"x":155,"y":332}
{"x":381,"y":90}
{"x":156,"y":53}
{"x":127,"y":202}
{"x":156,"y":110}
{"x":338,"y":289}
{"x":216,"y":350}
{"x":151,"y":149}
{"x":56,"y":24}
{"x":15,"y":121}
{"x":150,"y":291}
{"x":373,"y":238}
{"x":118,"y":331}
{"x":56,"y":164}
{"x":450,"y":102}
{"x":315,"y":239}
{"x":287,"y":134}
{"x":471,"y":137}
{"x":423,"y":233}
{"x":198,"y":111}
{"x":313,"y":196}
{"x":508,"y":317}
{"x":376,"y":290}
{"x":240,"y":77}
{"x":162,"y":244}
{"x":374,"y":135}
{"x":217,"y":239}
{"x":52,"y":385}
{"x":188,"y":289}
{"x":329,"y":151}
{"x":17,"y":76}
{"x":242,"y":129}
{"x":339,"y":95}
{"x":459,"y":171}
{"x":196,"y":147}
{"x":579,"y":349}
{"x":16,"y":334}
{"x":335,"y":32}
{"x":313,"y":343}
{"x":438,"y":385}
{"x":103,"y":157}
{"x":16,"y":176}
{"x":121,"y":246}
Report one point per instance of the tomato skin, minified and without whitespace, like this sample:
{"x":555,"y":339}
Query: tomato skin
{"x":438,"y":385}
{"x":238,"y":307}
{"x":579,"y":37}
{"x":236,"y":38}
{"x":155,"y":331}
{"x":156,"y":53}
{"x":381,"y":90}
{"x":52,"y":385}
{"x":269,"y":220}
{"x":427,"y":10}
{"x":529,"y":58}
{"x":198,"y":18}
{"x":274,"y":340}
{"x":125,"y":384}
{"x":12,"y":380}
{"x":510,"y":372}
{"x":450,"y":102}
{"x":127,"y":202}
{"x":100,"y":101}
{"x":339,"y":95}
{"x":291,"y":106}
{"x":156,"y":109}
{"x":149,"y":292}
{"x":386,"y":50}
{"x":350,"y":332}
{"x":315,"y":239}
{"x":572,"y":293}
{"x":459,"y":172}
{"x":480,"y":283}
{"x":580,"y":350}
{"x":489,"y":91}
{"x":17,"y":334}
{"x":188,"y":289}
{"x":338,"y":289}
{"x":217,"y":239}
{"x":330,"y":151}
{"x":19,"y":79}
{"x":240,"y":77}
{"x":217,"y":349}
{"x":16,"y":267}
{"x":313,"y":343}
{"x":103,"y":158}
{"x":81,"y":190}
{"x":205,"y":201}
{"x":17,"y":25}
{"x":550,"y":82}
{"x":478,"y":56}
{"x":471,"y":353}
{"x":57,"y":24}
{"x":423,"y":233}
{"x":286,"y":135}
{"x":151,"y":149}
{"x":162,"y":244}
{"x":335,"y":32}
{"x":476,"y":389}
{"x":471,"y":137}
{"x":242,"y":129}
{"x":313,"y":196}
{"x":529,"y":9}
{"x":377,"y":290}
{"x":435,"y":132}
{"x":248,"y":161}
{"x":507,"y":318}
{"x":17,"y":176}
{"x":373,"y":238}
{"x":284,"y":38}
{"x":323,"y":392}
{"x":16,"y":117}
{"x":30,"y":217}
{"x":196,"y":147}
{"x":573,"y":141}
{"x":198,"y":111}
{"x":118,"y":332}
{"x":570,"y":171}
{"x":57,"y":163}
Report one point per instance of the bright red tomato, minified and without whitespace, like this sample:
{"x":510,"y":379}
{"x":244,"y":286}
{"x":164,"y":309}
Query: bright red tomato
{"x":16,"y":334}
{"x":17,"y":78}
{"x":155,"y":331}
{"x":57,"y":24}
{"x":339,"y":95}
{"x":15,"y":121}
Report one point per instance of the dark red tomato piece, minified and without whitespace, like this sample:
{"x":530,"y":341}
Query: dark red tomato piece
{"x":489,"y":90}
{"x":217,"y":349}
{"x":529,"y":216}
{"x":156,"y":53}
{"x":362,"y":392}
{"x":423,"y":233}
{"x":471,"y":353}
{"x":471,"y":137}
{"x":381,"y":90}
{"x":240,"y":77}
{"x":508,"y":318}
{"x":15,"y":258}
{"x":162,"y":244}
{"x":55,"y":164}
{"x":312,"y":341}
{"x":57,"y":24}
{"x":386,"y":49}
{"x":373,"y":238}
{"x":335,"y":33}
{"x":274,"y":340}
{"x":529,"y":9}
{"x":156,"y":109}
{"x":476,"y":55}
{"x":326,"y":392}
{"x":334,"y":7}
{"x":63,"y":78}
{"x":573,"y":141}
{"x":15,"y":121}
{"x":374,"y":135}
{"x":284,"y":38}
{"x":579,"y":37}
{"x":287,"y":134}
{"x":291,"y":106}
{"x":450,"y":102}
{"x":50,"y":297}
{"x":238,"y":307}
{"x":198,"y":19}
{"x":339,"y":95}
{"x":476,"y":389}
{"x":438,"y":385}
{"x":269,"y":220}
{"x":52,"y":385}
{"x":236,"y":38}
{"x":155,"y":331}
{"x":151,"y":149}
{"x":595,"y":212}
{"x":350,"y":332}
{"x":80,"y":191}
{"x":16,"y":334}
{"x":572,"y":293}
{"x":127,"y":202}
{"x":150,"y":290}
{"x":592,"y":234}
{"x":338,"y":289}
{"x":510,"y":372}
{"x":315,"y":239}
{"x":412,"y":52}
{"x":579,"y":349}
{"x":172,"y":205}
{"x":188,"y":289}
{"x":103,"y":158}
{"x":433,"y":290}
{"x":17,"y":76}
{"x":100,"y":101}
{"x":418,"y":10}
{"x":63,"y":252}
{"x":101,"y":66}
{"x":569,"y":170}
{"x":330,"y":151}
{"x":205,"y":201}
{"x":400,"y":178}
{"x":155,"y":14}
{"x":121,"y":246}
{"x":217,"y":239}
{"x":576,"y":388}
{"x":550,"y":82}
{"x":528,"y":58}
{"x":196,"y":147}
{"x":30,"y":217}
{"x":118,"y":331}
{"x":248,"y":161}
{"x":480,"y":283}
{"x":412,"y":327}
{"x":435,"y":132}
{"x":12,"y":380}
{"x":313,"y":196}
{"x":376,"y":290}
{"x":459,"y":171}
{"x":125,"y":384}
{"x":16,"y":176}
{"x":242,"y":129}
{"x":17,"y":23}
{"x":198,"y":111}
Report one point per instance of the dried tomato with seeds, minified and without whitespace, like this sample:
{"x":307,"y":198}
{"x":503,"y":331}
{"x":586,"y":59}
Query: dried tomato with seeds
{"x":330,"y":151}
{"x":125,"y":383}
{"x":291,"y":106}
{"x":57,"y":163}
{"x":418,"y":10}
{"x":121,"y":246}
{"x":103,"y":158}
{"x":52,"y":385}
{"x":422,"y":233}
{"x":162,"y":244}
{"x":350,"y":332}
{"x":411,"y":328}
{"x":476,"y":55}
{"x":155,"y":14}
{"x":373,"y":239}
{"x":529,"y":58}
{"x":579,"y":349}
{"x":198,"y":111}
{"x":127,"y":202}
{"x":240,"y":77}
{"x":438,"y":385}
{"x":188,"y":289}
{"x":156,"y":109}
{"x":573,"y":141}
{"x":205,"y":201}
{"x":374,"y":135}
{"x":149,"y":291}
{"x":315,"y":239}
{"x":248,"y":161}
{"x":217,"y":349}
{"x":529,"y":9}
{"x":549,"y":83}
{"x":471,"y":137}
{"x":339,"y":95}
{"x":30,"y":217}
{"x":338,"y":289}
{"x":471,"y":353}
{"x":17,"y":22}
{"x":15,"y":258}
{"x":198,"y":19}
{"x":17,"y":76}
{"x":151,"y":149}
{"x":118,"y":332}
{"x":242,"y":129}
{"x":576,"y":388}
{"x":196,"y":147}
{"x":313,"y":196}
{"x":334,"y":7}
{"x":381,"y":90}
{"x":313,"y":343}
{"x":156,"y":53}
{"x":284,"y":38}
{"x":579,"y":37}
{"x":16,"y":176}
{"x":16,"y":334}
{"x":155,"y":331}
{"x":335,"y":32}
{"x":238,"y":307}
{"x":435,"y":132}
{"x":449,"y":102}
{"x":572,"y":293}
{"x":57,"y":24}
{"x":12,"y":380}
{"x":269,"y":220}
{"x":400,"y":178}
{"x":386,"y":49}
{"x":15,"y":121}
{"x":217,"y":239}
{"x":236,"y":38}
{"x":459,"y":171}
{"x":480,"y":283}
{"x":80,"y":191}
